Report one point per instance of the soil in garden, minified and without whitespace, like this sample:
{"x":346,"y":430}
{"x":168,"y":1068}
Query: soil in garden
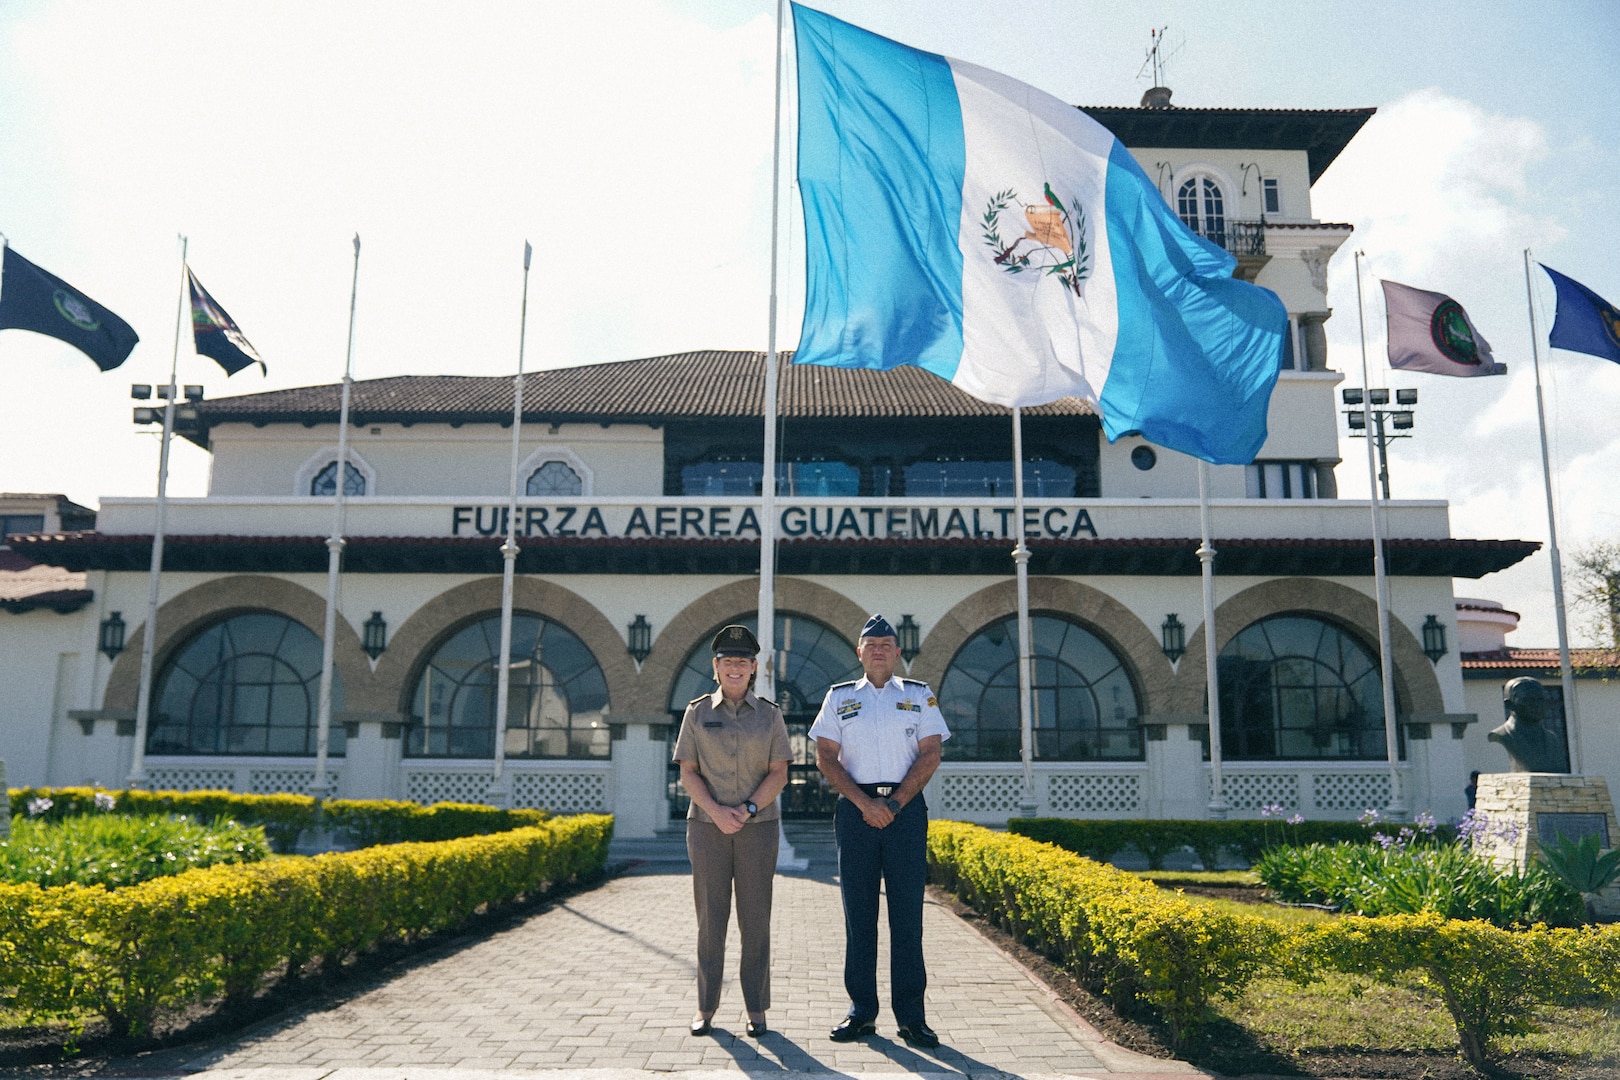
{"x":1233,"y":1050}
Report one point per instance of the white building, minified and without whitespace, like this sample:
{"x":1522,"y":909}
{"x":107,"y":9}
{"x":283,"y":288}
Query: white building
{"x":639,"y":535}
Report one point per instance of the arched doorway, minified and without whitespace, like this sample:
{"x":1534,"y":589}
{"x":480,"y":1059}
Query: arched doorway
{"x":810,"y":658}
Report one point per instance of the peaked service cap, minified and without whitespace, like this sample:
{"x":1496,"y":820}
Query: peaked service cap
{"x":735,"y":640}
{"x":878,"y":626}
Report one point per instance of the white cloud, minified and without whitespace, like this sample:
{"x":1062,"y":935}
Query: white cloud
{"x":1444,"y":195}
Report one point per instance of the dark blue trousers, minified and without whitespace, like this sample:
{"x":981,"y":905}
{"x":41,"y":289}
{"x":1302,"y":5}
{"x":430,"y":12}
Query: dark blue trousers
{"x":897,"y":859}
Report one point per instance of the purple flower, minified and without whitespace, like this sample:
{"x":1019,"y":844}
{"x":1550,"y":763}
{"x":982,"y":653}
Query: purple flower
{"x":105,"y":801}
{"x":1369,"y":817}
{"x":1296,"y":819}
{"x":1271,"y":810}
{"x":1425,"y":823}
{"x":1385,"y":841}
{"x":38,"y":806}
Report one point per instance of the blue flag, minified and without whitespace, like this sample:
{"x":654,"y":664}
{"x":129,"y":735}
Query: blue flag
{"x":216,"y":334}
{"x":32,"y":299}
{"x":974,"y":226}
{"x":1585,"y":321}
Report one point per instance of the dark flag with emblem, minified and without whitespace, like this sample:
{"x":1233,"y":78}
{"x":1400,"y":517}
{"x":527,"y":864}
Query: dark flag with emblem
{"x":217,"y":334}
{"x":1585,"y":322}
{"x":1429,"y":331}
{"x":31,"y":299}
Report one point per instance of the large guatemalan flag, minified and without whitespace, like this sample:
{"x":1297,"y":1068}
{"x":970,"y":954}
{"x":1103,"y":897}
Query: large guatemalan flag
{"x":964,"y":222}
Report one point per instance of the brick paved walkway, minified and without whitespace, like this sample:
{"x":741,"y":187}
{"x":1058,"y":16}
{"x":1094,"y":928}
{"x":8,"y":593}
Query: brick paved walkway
{"x":601,"y":987}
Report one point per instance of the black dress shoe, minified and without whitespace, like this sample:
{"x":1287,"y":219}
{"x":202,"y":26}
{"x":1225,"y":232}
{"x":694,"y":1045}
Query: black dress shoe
{"x":756,"y":1028}
{"x":849,"y":1029}
{"x":918,"y":1035}
{"x":701,"y":1026}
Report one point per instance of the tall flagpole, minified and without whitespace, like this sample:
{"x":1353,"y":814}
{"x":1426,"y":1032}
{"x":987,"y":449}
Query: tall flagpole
{"x":143,"y":698}
{"x":1206,"y":557}
{"x":1027,"y":803}
{"x":321,"y":787}
{"x":497,"y":794}
{"x":767,"y":482}
{"x":1566,"y":670}
{"x":1397,"y":796}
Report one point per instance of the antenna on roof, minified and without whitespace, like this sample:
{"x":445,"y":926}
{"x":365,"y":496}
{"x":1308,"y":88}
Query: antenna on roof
{"x":1159,"y":54}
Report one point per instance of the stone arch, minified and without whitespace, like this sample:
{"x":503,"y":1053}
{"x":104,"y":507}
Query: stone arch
{"x":411,"y":647}
{"x":1112,"y":621}
{"x":714,"y":608}
{"x":1417,"y":688}
{"x":189,"y":612}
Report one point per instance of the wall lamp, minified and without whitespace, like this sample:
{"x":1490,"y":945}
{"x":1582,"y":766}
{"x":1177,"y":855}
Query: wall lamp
{"x":111,"y":638}
{"x":1434,"y":639}
{"x":909,"y":635}
{"x":375,"y":640}
{"x":640,"y":639}
{"x":1173,"y":638}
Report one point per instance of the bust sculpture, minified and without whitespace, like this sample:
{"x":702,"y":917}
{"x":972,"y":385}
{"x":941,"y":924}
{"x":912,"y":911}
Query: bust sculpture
{"x":1531,"y":746}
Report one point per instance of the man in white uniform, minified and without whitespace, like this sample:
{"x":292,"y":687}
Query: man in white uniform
{"x":877,"y":742}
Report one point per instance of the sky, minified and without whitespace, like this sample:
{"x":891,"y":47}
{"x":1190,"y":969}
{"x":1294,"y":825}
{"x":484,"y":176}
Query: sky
{"x":630,"y":141}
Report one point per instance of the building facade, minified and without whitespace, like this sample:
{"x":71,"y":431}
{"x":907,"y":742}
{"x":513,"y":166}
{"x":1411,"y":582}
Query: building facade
{"x":639,"y":534}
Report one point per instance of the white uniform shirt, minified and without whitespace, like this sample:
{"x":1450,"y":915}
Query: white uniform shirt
{"x":877,"y":728}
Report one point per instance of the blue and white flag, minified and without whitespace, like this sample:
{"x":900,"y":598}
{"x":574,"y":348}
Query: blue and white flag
{"x":967,"y":223}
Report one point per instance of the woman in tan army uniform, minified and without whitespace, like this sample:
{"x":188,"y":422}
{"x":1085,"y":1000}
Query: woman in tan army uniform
{"x":733,"y":753}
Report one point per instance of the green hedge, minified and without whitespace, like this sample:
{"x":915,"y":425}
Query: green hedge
{"x":1117,"y":932}
{"x":1130,"y":939}
{"x":139,"y":953}
{"x":361,"y":822}
{"x":1154,"y":839}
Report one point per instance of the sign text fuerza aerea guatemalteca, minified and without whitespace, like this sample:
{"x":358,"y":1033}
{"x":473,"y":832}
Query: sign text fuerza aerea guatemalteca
{"x":796,"y":522}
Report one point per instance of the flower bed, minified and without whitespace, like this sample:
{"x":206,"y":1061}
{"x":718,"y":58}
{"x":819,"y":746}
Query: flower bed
{"x":115,"y":851}
{"x":1131,"y":940}
{"x":138,"y":953}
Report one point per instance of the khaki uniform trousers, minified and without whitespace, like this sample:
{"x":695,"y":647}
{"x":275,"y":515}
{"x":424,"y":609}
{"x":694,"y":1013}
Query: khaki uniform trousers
{"x":744,"y":862}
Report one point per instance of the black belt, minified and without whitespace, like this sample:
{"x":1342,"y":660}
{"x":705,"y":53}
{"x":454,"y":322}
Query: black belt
{"x":879,"y":791}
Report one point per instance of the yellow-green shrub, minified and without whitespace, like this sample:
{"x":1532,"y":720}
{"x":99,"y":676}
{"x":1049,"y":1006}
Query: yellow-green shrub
{"x":1490,"y":979}
{"x":134,"y":953}
{"x":1117,"y":931}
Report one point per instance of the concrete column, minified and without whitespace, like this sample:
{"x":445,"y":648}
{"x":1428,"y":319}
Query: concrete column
{"x":640,"y":776}
{"x":1437,"y":772}
{"x":373,"y":749}
{"x":109,"y":747}
{"x":1175,"y":760}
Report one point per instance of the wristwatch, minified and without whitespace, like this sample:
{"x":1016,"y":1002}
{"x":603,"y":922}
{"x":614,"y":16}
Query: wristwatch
{"x":894,"y":806}
{"x":752,"y":809}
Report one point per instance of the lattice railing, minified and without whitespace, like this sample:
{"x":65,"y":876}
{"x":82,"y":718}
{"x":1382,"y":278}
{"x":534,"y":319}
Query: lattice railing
{"x":561,"y":792}
{"x":1094,"y":793}
{"x":1350,"y":791}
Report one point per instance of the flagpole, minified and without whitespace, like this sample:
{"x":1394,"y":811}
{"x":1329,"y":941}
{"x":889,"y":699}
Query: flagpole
{"x":1027,"y":804}
{"x":143,"y":696}
{"x":1566,"y":670}
{"x":497,"y":794}
{"x":1206,"y":557}
{"x":320,"y":788}
{"x":767,"y":483}
{"x":1397,"y":797}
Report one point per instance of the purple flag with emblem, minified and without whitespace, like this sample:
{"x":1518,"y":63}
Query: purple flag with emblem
{"x":216,"y":333}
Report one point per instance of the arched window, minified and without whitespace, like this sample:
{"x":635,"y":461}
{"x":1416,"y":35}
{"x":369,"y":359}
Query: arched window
{"x":1299,"y":687}
{"x":1084,"y":704}
{"x":554,"y":478}
{"x":249,"y":684}
{"x":354,"y":481}
{"x":557,"y":700}
{"x":811,"y":656}
{"x":1200,"y":204}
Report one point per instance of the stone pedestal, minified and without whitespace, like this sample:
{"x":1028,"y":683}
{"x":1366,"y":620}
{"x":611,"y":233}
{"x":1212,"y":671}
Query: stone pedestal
{"x":371,"y":755}
{"x":1526,"y":810}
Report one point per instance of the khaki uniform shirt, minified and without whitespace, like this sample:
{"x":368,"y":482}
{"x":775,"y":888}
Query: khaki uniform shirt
{"x":733,"y":748}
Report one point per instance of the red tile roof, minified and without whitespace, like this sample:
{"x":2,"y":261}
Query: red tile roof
{"x":1540,"y":660}
{"x":689,"y":385}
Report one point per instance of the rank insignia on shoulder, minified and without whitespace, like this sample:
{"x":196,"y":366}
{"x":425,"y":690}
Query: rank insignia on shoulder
{"x":933,"y":702}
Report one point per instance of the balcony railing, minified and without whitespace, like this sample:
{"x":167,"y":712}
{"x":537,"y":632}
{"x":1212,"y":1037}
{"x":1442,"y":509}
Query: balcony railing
{"x":1238,"y":237}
